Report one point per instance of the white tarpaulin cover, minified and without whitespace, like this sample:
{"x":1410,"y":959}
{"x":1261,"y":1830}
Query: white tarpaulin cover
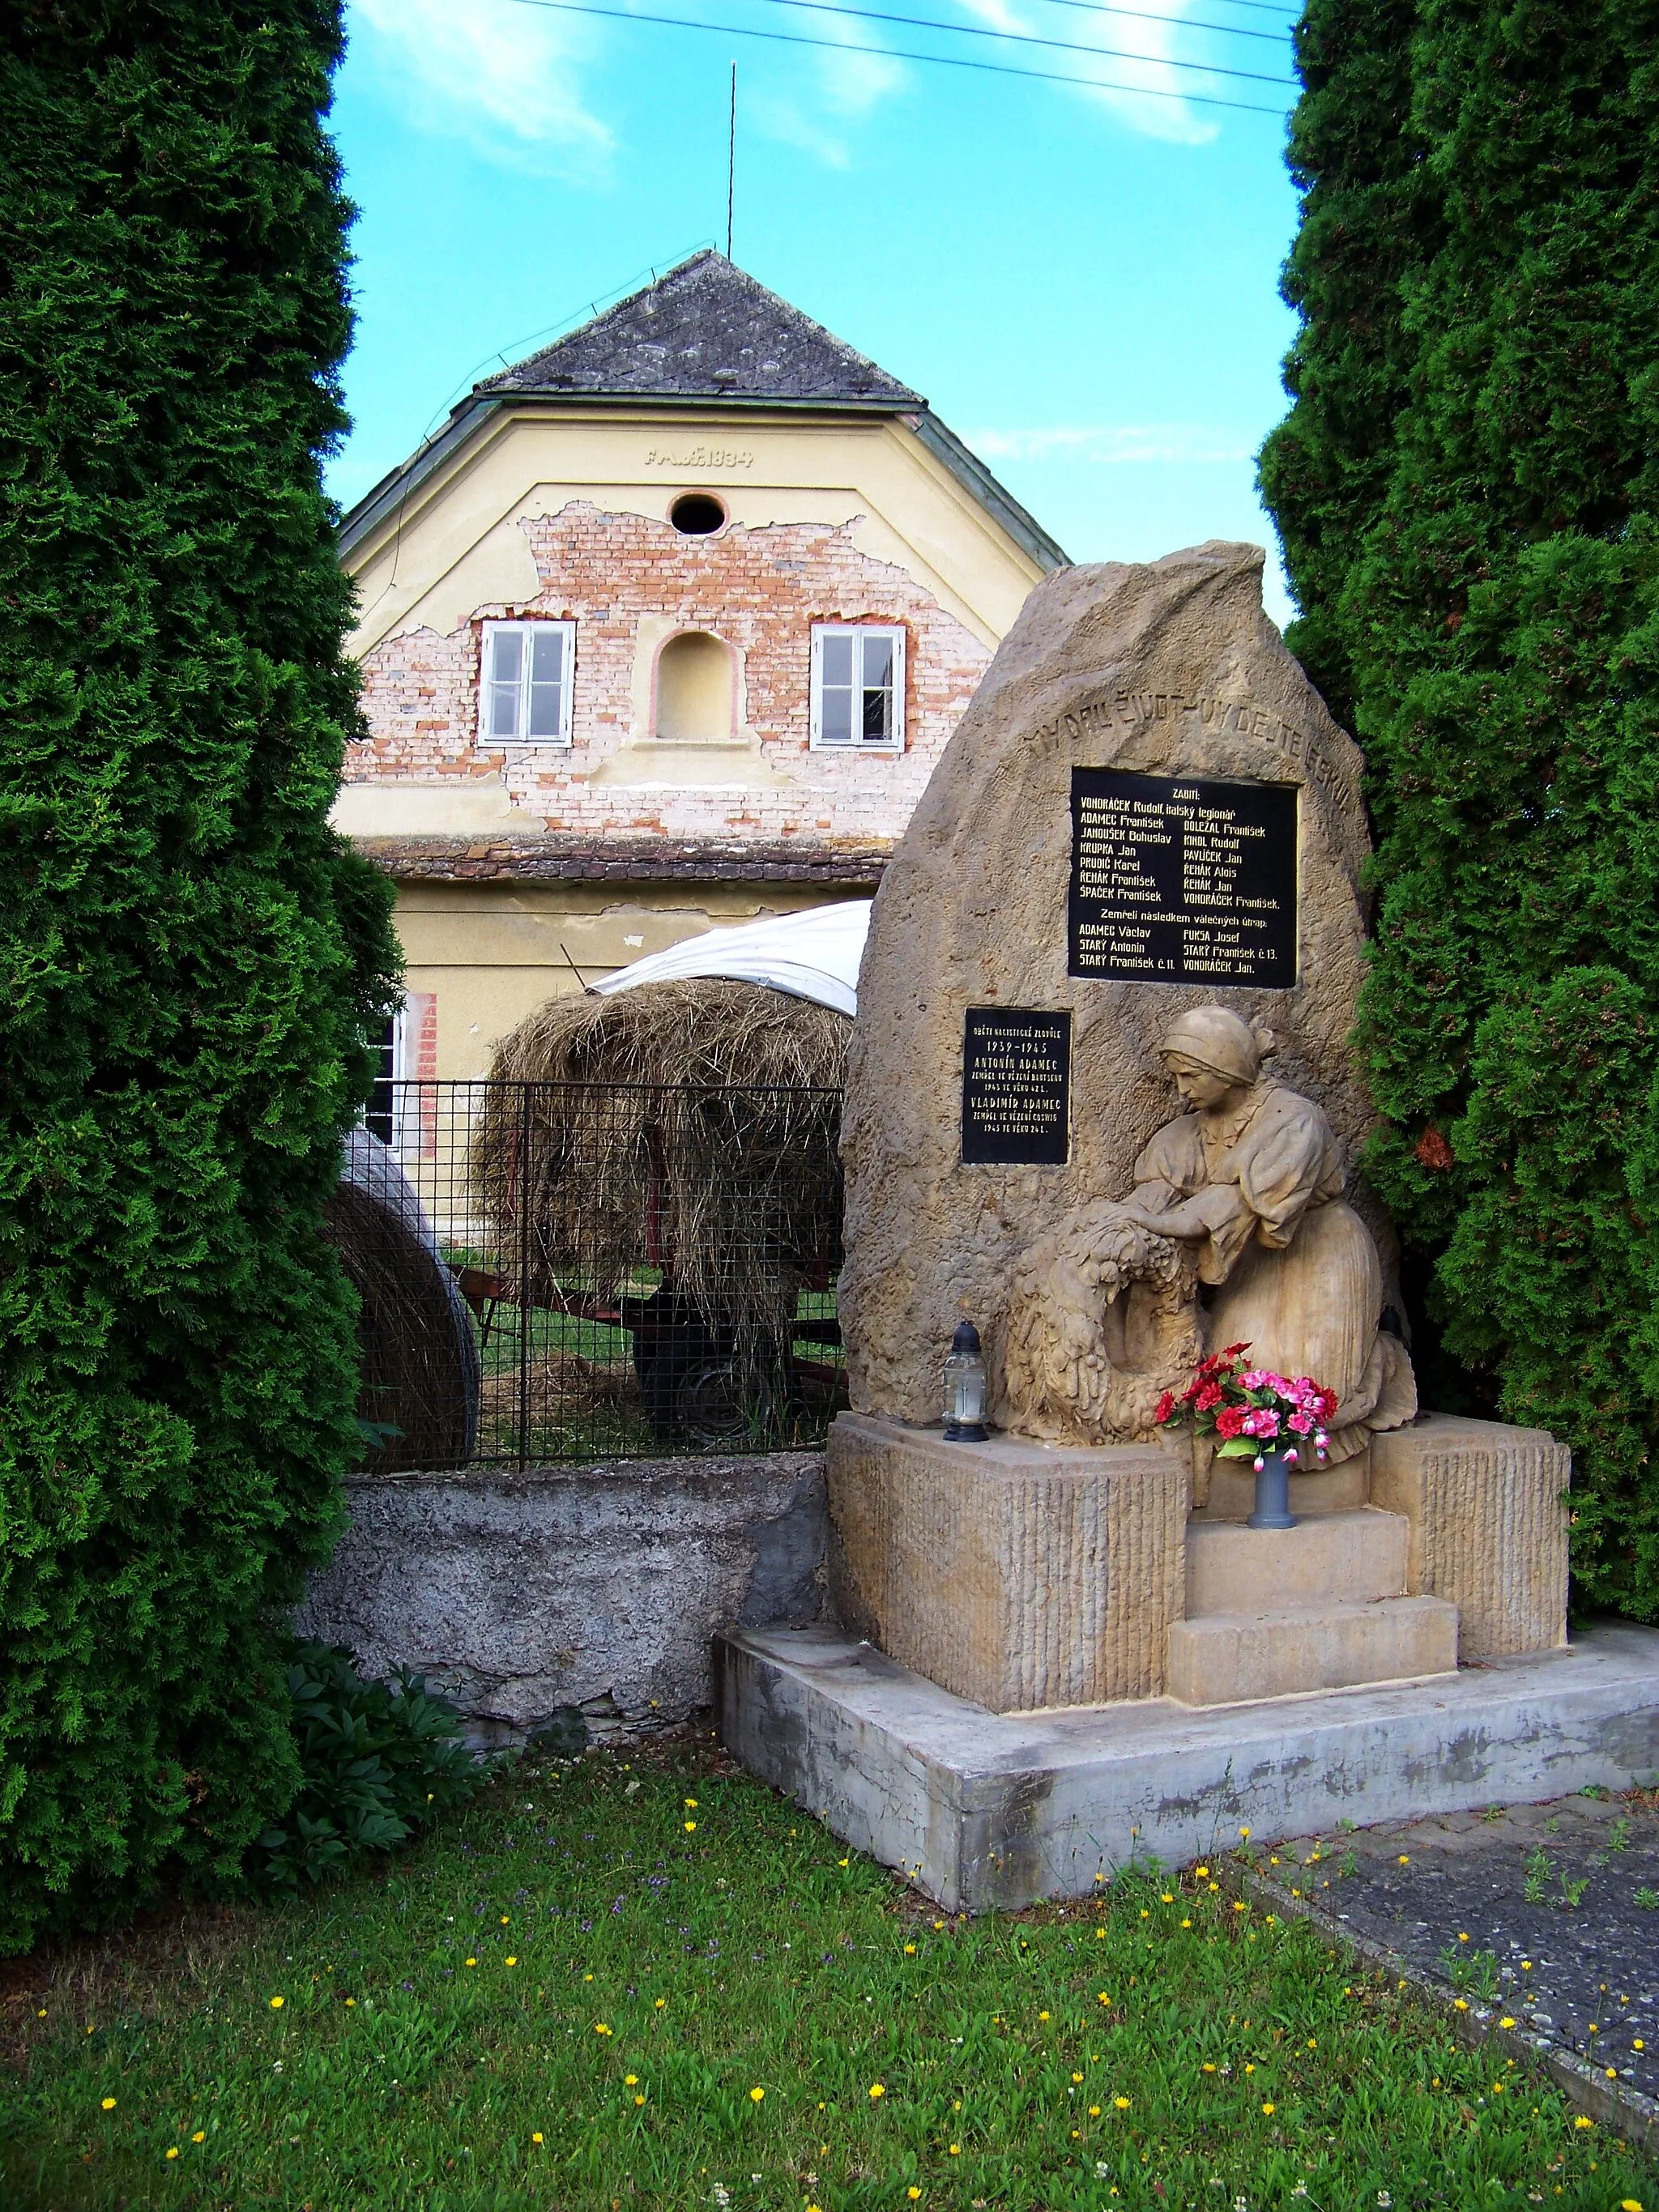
{"x":813,"y":955}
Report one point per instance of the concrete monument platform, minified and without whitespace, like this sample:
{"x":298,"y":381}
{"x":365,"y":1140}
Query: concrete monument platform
{"x":982,"y":1809}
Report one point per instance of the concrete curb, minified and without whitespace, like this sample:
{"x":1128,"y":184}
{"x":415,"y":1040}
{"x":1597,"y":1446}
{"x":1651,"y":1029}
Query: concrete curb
{"x":1634,"y":2116}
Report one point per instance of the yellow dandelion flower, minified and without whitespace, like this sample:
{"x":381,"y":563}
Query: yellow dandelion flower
{"x":599,"y":2027}
{"x":1202,"y":1873}
{"x":912,"y":2192}
{"x":535,"y":2138}
{"x":200,"y":2136}
{"x":640,"y":2099}
{"x":1166,"y":1898}
{"x":1100,"y":1935}
{"x":660,"y":2003}
{"x":1250,"y":2067}
{"x":1206,"y":2068}
{"x":1270,"y":1922}
{"x":276,"y":2006}
{"x":1186,"y":1923}
{"x":1462,"y":1939}
{"x":1581,"y":2121}
{"x":1630,"y":2204}
{"x":1613,"y":2073}
{"x":1405,"y":1858}
{"x":1508,"y":2022}
{"x":512,"y":1962}
{"x":954,"y":2150}
{"x":473,"y":1962}
{"x":174,"y":2153}
{"x":109,"y":2103}
{"x":1103,"y":1999}
{"x":878,"y":2089}
{"x":1094,"y":2111}
{"x":352,"y":2002}
{"x":691,"y":1827}
{"x":1121,"y":2104}
{"x":1268,"y":2110}
{"x":910,"y":1950}
{"x":1239,"y":1906}
{"x":690,"y":1804}
{"x":630,"y":2081}
{"x":1313,"y":2043}
{"x":755,"y":2096}
{"x":1043,"y":2015}
{"x":1461,"y":2004}
{"x":1245,"y":1833}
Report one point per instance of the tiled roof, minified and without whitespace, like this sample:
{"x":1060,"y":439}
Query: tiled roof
{"x":706,"y":331}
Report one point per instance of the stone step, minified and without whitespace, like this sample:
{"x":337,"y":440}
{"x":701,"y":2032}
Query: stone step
{"x":1350,"y":1557}
{"x":1229,"y":1658}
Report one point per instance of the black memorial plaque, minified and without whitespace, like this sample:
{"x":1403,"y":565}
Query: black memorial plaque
{"x":1016,"y":1087}
{"x":1179,"y":880}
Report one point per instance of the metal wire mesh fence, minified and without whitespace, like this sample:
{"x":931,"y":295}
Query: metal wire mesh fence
{"x":564,"y":1271}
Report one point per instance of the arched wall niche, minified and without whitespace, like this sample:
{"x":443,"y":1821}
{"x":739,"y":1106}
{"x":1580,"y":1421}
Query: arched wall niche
{"x":695,"y":688}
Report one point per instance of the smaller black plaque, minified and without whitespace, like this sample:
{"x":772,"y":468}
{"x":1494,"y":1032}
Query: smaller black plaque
{"x":1016,"y":1087}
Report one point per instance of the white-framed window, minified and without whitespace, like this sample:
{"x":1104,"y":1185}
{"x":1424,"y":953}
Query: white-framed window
{"x":524,"y":695}
{"x":858,"y":687}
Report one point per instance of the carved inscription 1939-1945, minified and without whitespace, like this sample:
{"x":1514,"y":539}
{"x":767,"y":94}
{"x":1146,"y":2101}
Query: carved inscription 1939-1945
{"x":1176,"y":879}
{"x":1016,"y":1087}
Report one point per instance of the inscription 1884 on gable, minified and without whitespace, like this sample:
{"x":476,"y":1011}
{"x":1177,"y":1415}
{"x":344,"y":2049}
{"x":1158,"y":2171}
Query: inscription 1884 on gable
{"x":1180,"y":880}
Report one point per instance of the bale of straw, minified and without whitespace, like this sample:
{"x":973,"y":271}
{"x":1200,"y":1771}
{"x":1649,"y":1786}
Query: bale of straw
{"x":688,"y":1126}
{"x":418,"y":1392}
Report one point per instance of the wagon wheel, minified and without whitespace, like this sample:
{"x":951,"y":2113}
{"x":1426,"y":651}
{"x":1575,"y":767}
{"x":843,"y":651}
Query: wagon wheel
{"x":714,"y":1406}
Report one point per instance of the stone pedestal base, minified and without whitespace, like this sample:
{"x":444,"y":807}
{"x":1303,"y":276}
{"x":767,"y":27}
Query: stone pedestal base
{"x":1013,"y":1575}
{"x":1487,"y":1511}
{"x":984,"y":1809}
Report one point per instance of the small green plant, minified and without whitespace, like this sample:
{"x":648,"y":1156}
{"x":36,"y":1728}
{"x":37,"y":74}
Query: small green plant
{"x":1647,"y":1900}
{"x":1471,"y":1973}
{"x":1595,"y":1789}
{"x":1492,"y":1812}
{"x":380,"y":1761}
{"x":1552,"y":1825}
{"x":1538,"y":1875}
{"x":1619,"y":1835}
{"x":1572,"y":1892}
{"x":1349,"y":1864}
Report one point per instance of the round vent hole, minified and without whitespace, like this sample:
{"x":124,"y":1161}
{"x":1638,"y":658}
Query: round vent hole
{"x":694,"y":514}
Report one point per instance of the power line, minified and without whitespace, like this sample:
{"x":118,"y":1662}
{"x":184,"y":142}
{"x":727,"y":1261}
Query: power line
{"x":1182,"y":22}
{"x":1032,"y":39}
{"x":953,"y":61}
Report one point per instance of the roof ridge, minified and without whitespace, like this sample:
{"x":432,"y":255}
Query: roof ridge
{"x":705,"y":329}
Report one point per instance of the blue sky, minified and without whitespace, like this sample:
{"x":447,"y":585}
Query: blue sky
{"x":1082,"y":280}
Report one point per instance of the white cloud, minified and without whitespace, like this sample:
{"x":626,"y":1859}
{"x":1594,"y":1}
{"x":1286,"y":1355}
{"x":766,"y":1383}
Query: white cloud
{"x":1140,"y":65}
{"x":1116,"y":444}
{"x":503,"y":77}
{"x":852,"y":83}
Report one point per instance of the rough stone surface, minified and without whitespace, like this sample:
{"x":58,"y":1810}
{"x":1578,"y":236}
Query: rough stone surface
{"x":1013,"y":1575}
{"x":1240,"y":1658}
{"x":1348,"y":1556}
{"x":985,"y":1810}
{"x":1171,"y":667}
{"x":522,"y":1595}
{"x":1487,"y":1508}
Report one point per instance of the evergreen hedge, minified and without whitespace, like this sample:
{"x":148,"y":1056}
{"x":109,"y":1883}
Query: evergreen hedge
{"x":192,"y":960}
{"x":1487,"y":586}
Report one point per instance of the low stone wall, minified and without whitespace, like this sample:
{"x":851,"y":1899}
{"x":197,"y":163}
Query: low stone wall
{"x":526,"y":1597}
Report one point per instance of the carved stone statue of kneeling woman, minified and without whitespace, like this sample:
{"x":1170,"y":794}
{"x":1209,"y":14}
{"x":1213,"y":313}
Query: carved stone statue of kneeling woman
{"x":1250,"y":1182}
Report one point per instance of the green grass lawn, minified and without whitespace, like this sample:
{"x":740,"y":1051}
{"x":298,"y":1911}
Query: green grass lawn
{"x":640,"y":1979}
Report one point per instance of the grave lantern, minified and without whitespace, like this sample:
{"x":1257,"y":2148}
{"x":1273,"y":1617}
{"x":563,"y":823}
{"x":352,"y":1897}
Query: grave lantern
{"x":964,"y":1388}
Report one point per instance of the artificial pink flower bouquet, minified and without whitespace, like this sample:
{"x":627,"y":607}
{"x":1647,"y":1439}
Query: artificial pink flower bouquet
{"x":1252,"y":1410}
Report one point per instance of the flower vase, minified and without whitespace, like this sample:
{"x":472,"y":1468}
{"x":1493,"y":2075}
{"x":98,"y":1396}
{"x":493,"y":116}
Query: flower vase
{"x":1273,"y":1493}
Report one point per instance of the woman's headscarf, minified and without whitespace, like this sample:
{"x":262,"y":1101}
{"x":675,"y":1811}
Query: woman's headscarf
{"x":1219,"y":1043}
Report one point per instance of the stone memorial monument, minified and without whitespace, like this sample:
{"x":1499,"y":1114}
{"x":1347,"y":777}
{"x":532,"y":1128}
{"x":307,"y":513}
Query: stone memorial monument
{"x":1102,"y":1105}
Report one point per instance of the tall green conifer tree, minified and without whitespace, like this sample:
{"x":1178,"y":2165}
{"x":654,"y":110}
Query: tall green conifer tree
{"x":1497,"y":603}
{"x":1369,"y":222}
{"x":192,"y":960}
